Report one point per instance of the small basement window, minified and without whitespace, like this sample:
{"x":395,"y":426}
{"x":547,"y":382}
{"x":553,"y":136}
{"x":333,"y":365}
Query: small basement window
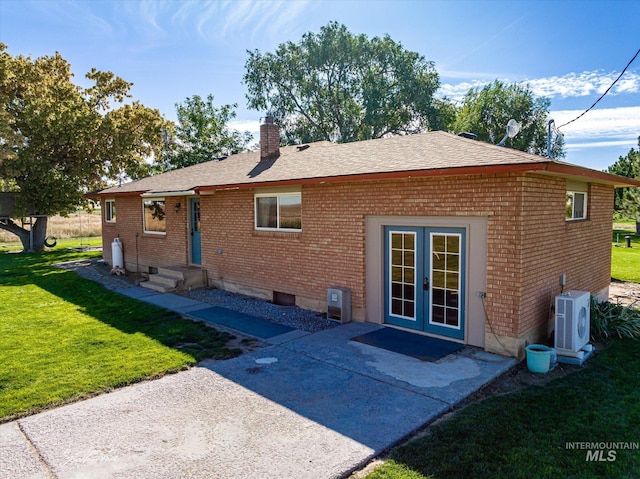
{"x":154,"y":216}
{"x":278,"y":211}
{"x":576,"y":205}
{"x":110,"y":211}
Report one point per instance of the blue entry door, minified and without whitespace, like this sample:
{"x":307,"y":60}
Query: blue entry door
{"x":196,"y":246}
{"x":424,"y":279}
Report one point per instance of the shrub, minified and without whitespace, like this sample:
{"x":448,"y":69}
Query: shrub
{"x":610,"y":320}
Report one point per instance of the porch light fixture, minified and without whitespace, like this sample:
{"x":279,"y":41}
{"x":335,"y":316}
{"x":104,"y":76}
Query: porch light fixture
{"x":177,"y":207}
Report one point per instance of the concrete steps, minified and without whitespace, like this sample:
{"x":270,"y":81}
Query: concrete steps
{"x":174,"y":278}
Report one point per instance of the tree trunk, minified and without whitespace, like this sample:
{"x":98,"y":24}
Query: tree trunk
{"x":39,"y":233}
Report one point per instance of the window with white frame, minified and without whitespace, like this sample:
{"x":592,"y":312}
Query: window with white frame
{"x":154,"y":216}
{"x":110,"y":211}
{"x":278,"y":211}
{"x":576,"y":205}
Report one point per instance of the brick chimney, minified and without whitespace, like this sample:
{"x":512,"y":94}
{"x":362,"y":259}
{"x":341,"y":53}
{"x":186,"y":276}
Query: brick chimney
{"x":269,"y":140}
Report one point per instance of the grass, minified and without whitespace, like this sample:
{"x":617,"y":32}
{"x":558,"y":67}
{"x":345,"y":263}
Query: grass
{"x":63,"y":337}
{"x":82,"y":227}
{"x":525,"y":434}
{"x":625,"y":262}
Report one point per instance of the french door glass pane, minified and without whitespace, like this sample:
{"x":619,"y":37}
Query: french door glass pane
{"x":445,"y":279}
{"x":402,"y":278}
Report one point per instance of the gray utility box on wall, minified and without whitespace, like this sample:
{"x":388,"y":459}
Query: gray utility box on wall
{"x":339,"y":304}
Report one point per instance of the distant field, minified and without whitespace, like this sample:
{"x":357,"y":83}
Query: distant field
{"x":76,"y":225}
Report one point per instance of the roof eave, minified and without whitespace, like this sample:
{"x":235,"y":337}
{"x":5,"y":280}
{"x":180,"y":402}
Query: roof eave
{"x":579,"y":172}
{"x":152,"y":194}
{"x":111,"y":194}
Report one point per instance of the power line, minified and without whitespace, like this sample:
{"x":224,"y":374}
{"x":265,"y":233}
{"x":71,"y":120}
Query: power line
{"x":607,"y":91}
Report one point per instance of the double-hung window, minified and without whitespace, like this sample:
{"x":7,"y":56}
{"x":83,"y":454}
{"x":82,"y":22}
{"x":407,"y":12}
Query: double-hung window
{"x":278,"y":211}
{"x":110,"y":211}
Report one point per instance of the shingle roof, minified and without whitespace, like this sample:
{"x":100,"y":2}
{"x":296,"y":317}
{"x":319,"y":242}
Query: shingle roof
{"x":425,"y":152}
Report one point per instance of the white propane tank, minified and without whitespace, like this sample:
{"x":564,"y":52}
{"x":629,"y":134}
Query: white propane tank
{"x":116,"y":254}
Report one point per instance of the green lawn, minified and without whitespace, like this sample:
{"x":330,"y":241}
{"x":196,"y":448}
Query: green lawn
{"x":63,"y":337}
{"x":625,"y":262}
{"x":525,"y":434}
{"x":61,"y":243}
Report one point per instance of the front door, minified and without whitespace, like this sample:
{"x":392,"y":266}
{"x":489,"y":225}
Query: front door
{"x":424,"y":279}
{"x":196,"y":248}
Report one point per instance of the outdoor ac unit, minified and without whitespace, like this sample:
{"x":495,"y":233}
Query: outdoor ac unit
{"x":339,"y":304}
{"x":573,"y":311}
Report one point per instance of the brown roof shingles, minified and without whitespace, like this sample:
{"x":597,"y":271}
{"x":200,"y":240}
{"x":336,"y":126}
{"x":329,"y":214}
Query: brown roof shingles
{"x":397,"y":155}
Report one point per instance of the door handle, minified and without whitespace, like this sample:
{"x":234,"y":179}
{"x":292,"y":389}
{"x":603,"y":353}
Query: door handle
{"x":425,"y":284}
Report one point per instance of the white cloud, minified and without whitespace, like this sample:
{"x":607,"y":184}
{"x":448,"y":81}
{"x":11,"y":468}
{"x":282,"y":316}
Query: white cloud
{"x":150,"y":12}
{"x":584,"y":84}
{"x":458,"y":91}
{"x":610,"y":122}
{"x":600,"y":144}
{"x":252,"y":126}
{"x":241,"y":18}
{"x":69,"y":14}
{"x":599,"y":128}
{"x":569,"y":85}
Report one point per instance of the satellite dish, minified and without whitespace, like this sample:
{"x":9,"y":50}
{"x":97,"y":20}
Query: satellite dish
{"x":513,"y":127}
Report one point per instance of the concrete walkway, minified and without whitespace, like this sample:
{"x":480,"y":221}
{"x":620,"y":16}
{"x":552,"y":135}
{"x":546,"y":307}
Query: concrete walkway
{"x":308,"y":406}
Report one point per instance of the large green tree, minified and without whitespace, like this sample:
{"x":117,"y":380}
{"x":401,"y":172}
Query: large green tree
{"x":202,"y":133}
{"x":627,"y":200}
{"x":338,"y":86}
{"x":487,"y":110}
{"x":59,"y":141}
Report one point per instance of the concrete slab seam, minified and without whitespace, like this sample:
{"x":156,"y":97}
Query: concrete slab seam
{"x":45,"y":465}
{"x":219,"y":327}
{"x":287,"y":337}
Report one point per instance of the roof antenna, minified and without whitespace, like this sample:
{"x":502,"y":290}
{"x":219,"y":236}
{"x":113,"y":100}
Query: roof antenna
{"x":512,"y":130}
{"x":551,"y":126}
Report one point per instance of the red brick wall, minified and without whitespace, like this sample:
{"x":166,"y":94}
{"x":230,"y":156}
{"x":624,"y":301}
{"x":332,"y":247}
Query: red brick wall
{"x":529,"y":242}
{"x":551,"y":246}
{"x":144,"y":250}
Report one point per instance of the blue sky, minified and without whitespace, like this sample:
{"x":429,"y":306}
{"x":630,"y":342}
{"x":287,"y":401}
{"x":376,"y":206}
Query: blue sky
{"x":568,"y":51}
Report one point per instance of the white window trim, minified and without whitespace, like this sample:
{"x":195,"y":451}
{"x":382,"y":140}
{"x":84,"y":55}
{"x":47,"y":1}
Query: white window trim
{"x":277,"y":196}
{"x":585,"y":206}
{"x":144,"y":223}
{"x":109,"y":219}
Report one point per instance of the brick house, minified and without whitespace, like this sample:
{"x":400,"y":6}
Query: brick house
{"x":419,"y":227}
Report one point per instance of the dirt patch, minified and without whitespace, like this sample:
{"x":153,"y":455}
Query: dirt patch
{"x":626,"y":294}
{"x":520,"y":377}
{"x":245,"y":344}
{"x":103,"y":268}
